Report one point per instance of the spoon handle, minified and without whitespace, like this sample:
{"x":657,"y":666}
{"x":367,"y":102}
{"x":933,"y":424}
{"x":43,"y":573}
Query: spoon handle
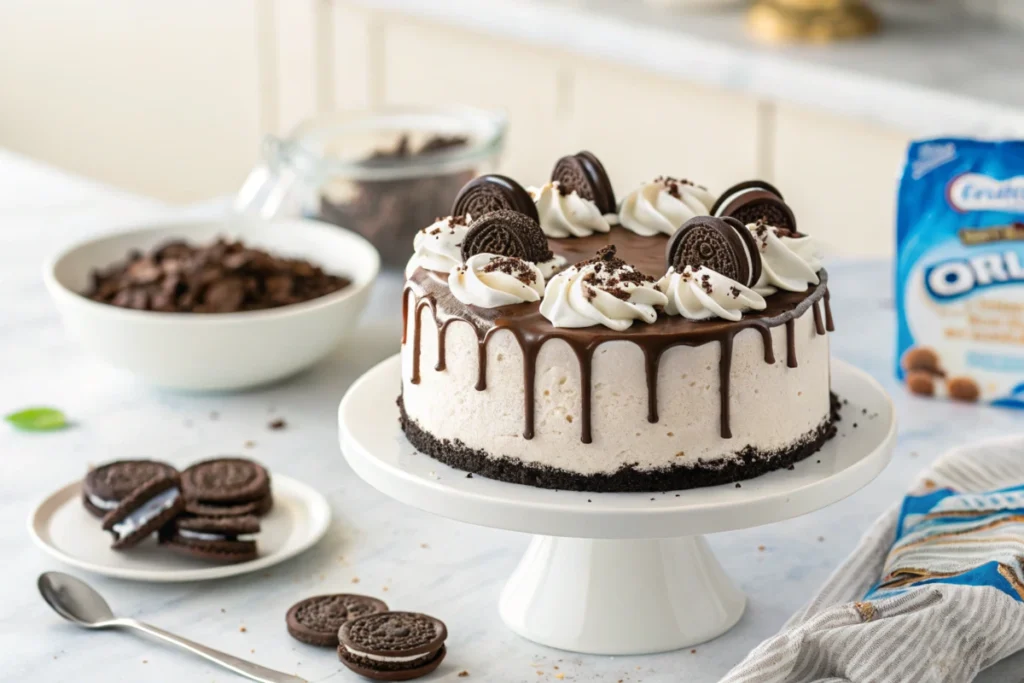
{"x":239,"y":666}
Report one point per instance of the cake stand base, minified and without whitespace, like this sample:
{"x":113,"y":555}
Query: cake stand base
{"x":620,"y":597}
{"x":616,"y":573}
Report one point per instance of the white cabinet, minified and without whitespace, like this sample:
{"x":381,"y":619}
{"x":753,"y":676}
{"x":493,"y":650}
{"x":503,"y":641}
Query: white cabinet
{"x":158,"y":98}
{"x":642,"y":126}
{"x":840,"y":176}
{"x":429,"y":65}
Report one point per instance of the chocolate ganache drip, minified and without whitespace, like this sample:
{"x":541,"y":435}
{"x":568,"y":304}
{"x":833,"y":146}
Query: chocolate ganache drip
{"x":427,"y":290}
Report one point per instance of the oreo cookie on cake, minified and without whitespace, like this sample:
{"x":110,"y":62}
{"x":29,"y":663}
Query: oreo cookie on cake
{"x":756,"y":200}
{"x":227,"y":540}
{"x":107,"y":485}
{"x":144,"y":510}
{"x":226,"y":487}
{"x":392,"y":646}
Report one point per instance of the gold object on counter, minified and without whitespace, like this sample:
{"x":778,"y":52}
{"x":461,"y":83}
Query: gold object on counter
{"x":811,"y":21}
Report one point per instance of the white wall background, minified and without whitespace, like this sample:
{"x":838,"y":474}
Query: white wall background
{"x":172,"y":100}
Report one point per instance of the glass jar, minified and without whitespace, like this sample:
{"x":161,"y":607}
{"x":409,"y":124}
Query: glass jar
{"x":384,"y":174}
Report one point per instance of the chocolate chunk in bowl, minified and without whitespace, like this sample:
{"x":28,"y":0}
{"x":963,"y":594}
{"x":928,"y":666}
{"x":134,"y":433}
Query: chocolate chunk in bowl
{"x":219,"y":277}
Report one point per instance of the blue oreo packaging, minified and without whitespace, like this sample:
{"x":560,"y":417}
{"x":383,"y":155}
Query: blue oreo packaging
{"x":960,"y":270}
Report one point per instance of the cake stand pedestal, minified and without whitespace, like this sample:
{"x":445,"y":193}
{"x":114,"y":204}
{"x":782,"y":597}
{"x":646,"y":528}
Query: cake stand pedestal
{"x":616,"y":573}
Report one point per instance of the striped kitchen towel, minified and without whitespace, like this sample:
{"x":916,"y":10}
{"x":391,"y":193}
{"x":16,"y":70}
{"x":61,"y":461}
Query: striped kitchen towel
{"x":934,"y":592}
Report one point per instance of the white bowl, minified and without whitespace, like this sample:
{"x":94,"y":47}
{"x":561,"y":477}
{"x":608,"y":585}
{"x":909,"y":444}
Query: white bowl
{"x":217,"y":351}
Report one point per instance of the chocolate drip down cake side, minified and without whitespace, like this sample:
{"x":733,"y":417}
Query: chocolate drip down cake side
{"x":556,"y":338}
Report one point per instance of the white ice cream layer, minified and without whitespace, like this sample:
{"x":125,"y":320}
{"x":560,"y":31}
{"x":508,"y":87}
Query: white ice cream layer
{"x":771,"y":405}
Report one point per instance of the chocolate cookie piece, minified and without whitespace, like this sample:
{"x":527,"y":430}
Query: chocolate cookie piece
{"x":494,"y":193}
{"x":316,"y":620}
{"x":717,"y":244}
{"x":755,"y":200}
{"x":584,"y":174}
{"x":226,"y":481}
{"x":226,"y":540}
{"x":107,"y":485}
{"x":144,"y":510}
{"x":392,"y":646}
{"x":506,"y":233}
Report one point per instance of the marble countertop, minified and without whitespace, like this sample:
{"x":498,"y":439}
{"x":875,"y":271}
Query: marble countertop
{"x":929,"y":72}
{"x":375,"y":545}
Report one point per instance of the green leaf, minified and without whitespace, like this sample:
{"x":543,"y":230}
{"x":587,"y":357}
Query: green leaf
{"x":37,"y":419}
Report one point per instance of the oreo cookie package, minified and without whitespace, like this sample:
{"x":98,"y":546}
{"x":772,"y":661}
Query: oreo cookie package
{"x":960,"y":271}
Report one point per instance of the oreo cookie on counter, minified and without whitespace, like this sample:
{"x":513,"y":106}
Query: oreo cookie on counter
{"x":226,"y":487}
{"x":392,"y":646}
{"x":144,"y":510}
{"x":316,"y":620}
{"x":227,"y":540}
{"x":107,"y":485}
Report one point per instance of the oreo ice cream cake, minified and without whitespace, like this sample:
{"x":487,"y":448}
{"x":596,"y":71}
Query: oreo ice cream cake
{"x":672,"y":339}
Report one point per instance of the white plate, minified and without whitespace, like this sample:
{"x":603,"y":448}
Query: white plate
{"x":377,"y":450}
{"x":64,"y":529}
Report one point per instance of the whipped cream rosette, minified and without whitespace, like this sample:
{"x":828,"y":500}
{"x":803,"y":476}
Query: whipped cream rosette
{"x":602,"y":291}
{"x":438,"y":246}
{"x":566,"y":214}
{"x":789,"y":261}
{"x":662,"y":205}
{"x":490,"y":280}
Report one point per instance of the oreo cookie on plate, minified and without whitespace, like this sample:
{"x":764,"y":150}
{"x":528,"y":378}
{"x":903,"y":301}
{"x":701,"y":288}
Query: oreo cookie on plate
{"x":144,"y":510}
{"x":107,"y":485}
{"x":225,"y":540}
{"x":316,"y":620}
{"x":392,"y":646}
{"x":224,"y":487}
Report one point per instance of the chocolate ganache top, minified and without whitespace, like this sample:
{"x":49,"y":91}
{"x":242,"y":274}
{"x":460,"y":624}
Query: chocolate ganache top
{"x":647,"y":254}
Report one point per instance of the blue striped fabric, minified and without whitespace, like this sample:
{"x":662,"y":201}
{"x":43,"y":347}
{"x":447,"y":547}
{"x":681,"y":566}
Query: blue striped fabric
{"x":932,"y":594}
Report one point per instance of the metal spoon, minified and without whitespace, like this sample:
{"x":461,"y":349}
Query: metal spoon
{"x":78,"y":602}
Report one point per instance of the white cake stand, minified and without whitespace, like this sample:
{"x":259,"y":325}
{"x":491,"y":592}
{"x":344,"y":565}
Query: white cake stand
{"x":616,"y":573}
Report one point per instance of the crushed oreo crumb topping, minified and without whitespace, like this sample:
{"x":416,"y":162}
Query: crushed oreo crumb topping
{"x":672,"y":184}
{"x":516,"y":267}
{"x":612,"y":275}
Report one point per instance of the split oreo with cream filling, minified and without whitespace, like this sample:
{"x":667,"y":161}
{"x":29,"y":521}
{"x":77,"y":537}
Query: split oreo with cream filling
{"x":106,"y":486}
{"x":144,"y":510}
{"x":392,"y":646}
{"x":226,"y":540}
